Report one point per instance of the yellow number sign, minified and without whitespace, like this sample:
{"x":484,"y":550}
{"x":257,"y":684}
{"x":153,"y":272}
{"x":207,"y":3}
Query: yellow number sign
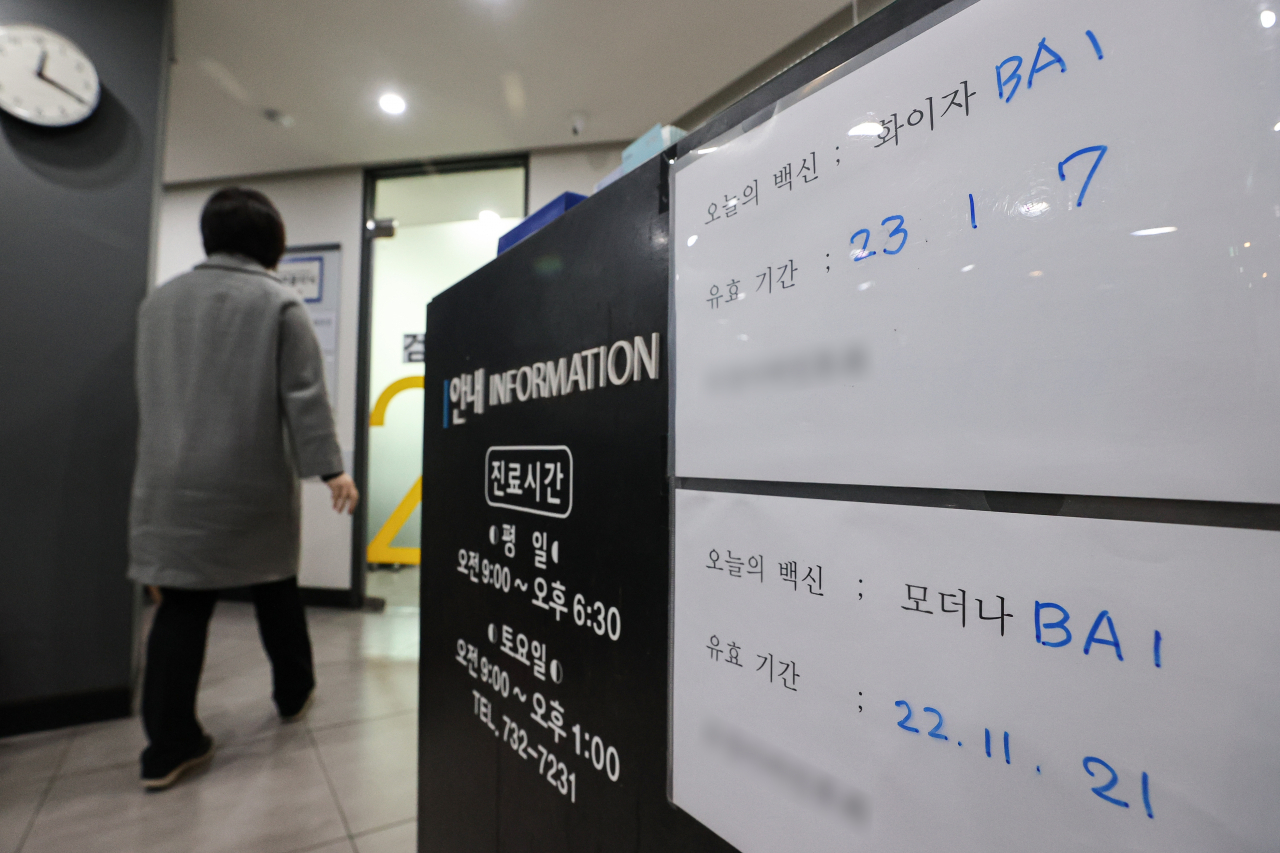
{"x":380,"y":549}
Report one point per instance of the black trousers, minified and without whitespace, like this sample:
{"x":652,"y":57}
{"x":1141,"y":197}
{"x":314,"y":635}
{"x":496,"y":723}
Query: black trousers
{"x":175,"y":657}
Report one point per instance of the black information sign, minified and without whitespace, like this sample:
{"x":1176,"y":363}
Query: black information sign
{"x":546,"y":540}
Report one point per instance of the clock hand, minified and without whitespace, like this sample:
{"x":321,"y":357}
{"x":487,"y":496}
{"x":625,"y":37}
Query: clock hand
{"x":44,"y":57}
{"x":54,"y":83}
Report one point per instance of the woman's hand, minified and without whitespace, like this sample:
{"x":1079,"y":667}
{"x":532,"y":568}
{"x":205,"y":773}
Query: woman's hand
{"x":345,"y":494}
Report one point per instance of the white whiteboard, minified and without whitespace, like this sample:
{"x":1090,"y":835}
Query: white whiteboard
{"x":1048,"y":349}
{"x":772,"y":769}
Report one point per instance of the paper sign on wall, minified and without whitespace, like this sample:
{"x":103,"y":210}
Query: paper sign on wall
{"x":306,"y":275}
{"x":851,"y":676}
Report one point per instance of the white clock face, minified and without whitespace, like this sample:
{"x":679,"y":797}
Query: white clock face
{"x":44,"y":78}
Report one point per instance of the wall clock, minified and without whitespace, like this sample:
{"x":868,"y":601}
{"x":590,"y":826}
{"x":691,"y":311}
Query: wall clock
{"x":44,"y":78}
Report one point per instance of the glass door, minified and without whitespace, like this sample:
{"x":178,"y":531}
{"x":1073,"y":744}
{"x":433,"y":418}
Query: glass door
{"x":447,"y":225}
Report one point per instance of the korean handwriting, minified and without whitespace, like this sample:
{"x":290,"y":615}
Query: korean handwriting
{"x":784,"y":672}
{"x":790,"y":573}
{"x":754,"y":564}
{"x":750,"y":194}
{"x":784,"y":276}
{"x":926,"y":113}
{"x":954,"y":602}
{"x":806,"y":173}
{"x":730,"y":294}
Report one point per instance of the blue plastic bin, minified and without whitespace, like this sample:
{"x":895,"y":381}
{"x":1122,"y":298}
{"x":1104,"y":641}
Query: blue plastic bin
{"x":538,"y":220}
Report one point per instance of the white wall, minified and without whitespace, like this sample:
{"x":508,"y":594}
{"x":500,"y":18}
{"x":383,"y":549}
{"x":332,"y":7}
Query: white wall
{"x":558,"y":170}
{"x":321,"y":207}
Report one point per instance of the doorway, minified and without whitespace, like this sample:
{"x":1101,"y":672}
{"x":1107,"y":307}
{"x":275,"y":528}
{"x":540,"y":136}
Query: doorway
{"x":431,"y":226}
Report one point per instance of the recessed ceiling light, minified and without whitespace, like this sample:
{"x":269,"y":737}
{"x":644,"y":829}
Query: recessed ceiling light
{"x":488,"y":216}
{"x":1268,"y":18}
{"x":1151,"y":232}
{"x":392,"y":104}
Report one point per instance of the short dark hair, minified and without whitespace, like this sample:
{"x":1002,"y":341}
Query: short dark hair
{"x":242,"y":221}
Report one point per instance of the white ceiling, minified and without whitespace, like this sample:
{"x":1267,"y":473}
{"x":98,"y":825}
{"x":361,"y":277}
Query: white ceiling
{"x":480,"y":76}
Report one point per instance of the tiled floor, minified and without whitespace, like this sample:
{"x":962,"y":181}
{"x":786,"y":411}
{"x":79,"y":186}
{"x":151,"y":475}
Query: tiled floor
{"x":395,"y":586}
{"x":343,"y":781}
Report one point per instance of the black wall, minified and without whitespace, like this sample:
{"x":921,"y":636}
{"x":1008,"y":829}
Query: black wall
{"x":76,"y":210}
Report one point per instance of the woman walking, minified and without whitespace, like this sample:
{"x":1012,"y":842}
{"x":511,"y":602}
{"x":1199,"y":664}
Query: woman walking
{"x":233,"y":411}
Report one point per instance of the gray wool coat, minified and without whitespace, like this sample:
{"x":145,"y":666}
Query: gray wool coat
{"x":232,"y":411}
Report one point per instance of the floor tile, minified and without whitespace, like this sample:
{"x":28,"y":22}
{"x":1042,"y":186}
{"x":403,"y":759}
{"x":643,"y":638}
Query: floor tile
{"x":234,"y":710}
{"x":18,"y":801}
{"x":266,"y":791}
{"x":344,"y":635}
{"x":234,"y":658}
{"x":336,"y":635}
{"x":373,"y":766}
{"x":397,"y":839}
{"x":98,"y":746}
{"x":266,"y":796}
{"x":33,"y":756}
{"x":231,"y":615}
{"x":396,"y":588}
{"x":238,"y":708}
{"x":234,"y":646}
{"x":362,"y":690}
